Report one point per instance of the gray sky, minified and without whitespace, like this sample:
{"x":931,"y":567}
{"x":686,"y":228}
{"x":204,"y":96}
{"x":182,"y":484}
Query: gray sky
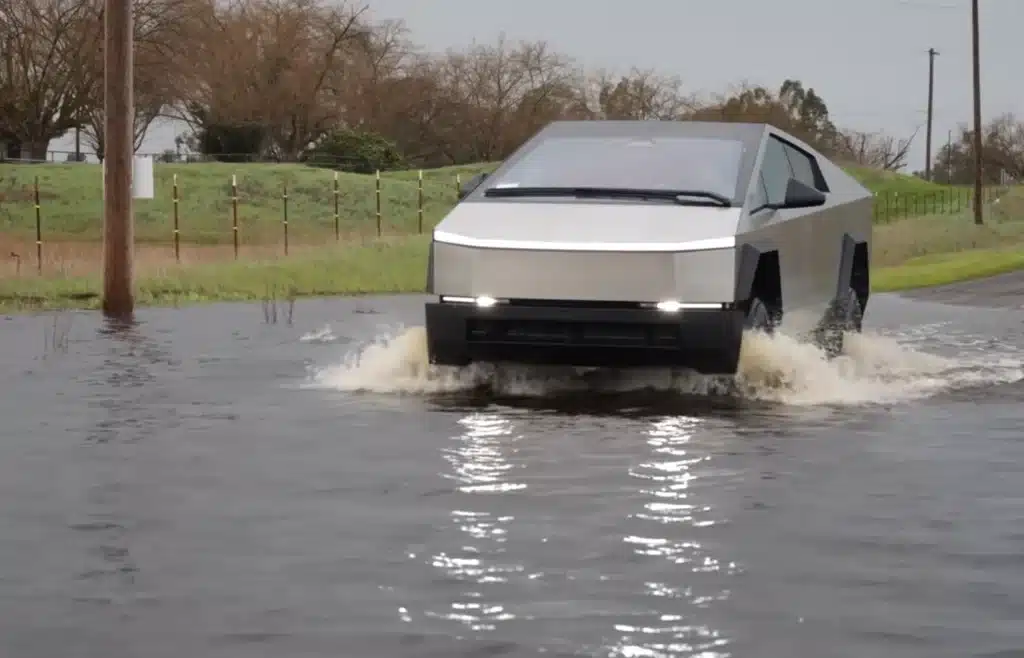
{"x":867,"y":58}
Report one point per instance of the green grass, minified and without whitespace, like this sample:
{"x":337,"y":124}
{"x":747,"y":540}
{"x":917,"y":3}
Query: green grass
{"x":387,"y":265}
{"x":942,"y":269}
{"x":899,"y":196}
{"x":72,"y":205}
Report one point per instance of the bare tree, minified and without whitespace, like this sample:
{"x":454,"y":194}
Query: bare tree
{"x":499,"y":84}
{"x":44,"y":86}
{"x":639,"y":94}
{"x":874,"y":150}
{"x":1003,"y":150}
{"x":273,"y":64}
{"x":162,"y":29}
{"x":381,"y":56}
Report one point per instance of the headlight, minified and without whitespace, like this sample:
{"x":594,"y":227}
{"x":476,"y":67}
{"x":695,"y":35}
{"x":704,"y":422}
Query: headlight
{"x":483,"y":301}
{"x":674,"y":306}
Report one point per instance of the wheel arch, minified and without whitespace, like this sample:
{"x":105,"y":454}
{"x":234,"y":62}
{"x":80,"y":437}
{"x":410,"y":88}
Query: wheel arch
{"x":854,"y":271}
{"x":758,"y":273}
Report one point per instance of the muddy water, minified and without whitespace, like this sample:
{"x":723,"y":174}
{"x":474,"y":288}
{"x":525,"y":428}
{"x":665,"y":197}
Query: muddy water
{"x":207,"y":484}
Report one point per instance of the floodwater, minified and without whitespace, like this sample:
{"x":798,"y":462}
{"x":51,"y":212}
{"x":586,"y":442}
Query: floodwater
{"x":207,"y":484}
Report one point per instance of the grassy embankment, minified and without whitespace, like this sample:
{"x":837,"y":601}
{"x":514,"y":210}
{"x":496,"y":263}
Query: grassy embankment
{"x":911,"y":252}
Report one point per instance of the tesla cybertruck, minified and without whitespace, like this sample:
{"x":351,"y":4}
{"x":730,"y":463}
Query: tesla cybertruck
{"x":648,"y":244}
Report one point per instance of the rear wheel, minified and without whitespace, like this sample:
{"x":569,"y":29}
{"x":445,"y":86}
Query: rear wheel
{"x":845,"y":316}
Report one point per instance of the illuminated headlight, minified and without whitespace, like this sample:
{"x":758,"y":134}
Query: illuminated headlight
{"x":483,"y":301}
{"x":674,"y":306}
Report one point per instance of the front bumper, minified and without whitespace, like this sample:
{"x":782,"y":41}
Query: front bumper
{"x":564,"y":333}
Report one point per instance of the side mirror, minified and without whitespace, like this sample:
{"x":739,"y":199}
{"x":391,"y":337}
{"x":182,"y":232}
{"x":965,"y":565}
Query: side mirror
{"x":800,"y":195}
{"x":467,"y":188}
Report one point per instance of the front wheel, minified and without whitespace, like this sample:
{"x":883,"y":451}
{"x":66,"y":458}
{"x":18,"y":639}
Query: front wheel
{"x":759,"y":317}
{"x":845,"y":316}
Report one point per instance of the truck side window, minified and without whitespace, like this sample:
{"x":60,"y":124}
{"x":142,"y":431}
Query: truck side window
{"x":803,"y":167}
{"x":776,"y":170}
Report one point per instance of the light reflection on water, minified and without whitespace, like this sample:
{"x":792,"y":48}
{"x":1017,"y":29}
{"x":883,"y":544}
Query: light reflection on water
{"x":480,"y":466}
{"x":673,"y":517}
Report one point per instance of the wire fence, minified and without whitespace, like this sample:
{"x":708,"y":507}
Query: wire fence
{"x":193,"y":212}
{"x":894,"y":206}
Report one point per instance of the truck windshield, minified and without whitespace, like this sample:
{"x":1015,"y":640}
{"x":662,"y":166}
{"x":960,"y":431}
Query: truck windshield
{"x":707,"y":165}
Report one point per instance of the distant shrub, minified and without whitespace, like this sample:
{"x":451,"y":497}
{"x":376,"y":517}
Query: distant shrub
{"x":355,"y":151}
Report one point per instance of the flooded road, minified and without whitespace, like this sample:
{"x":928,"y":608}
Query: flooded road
{"x":207,"y":484}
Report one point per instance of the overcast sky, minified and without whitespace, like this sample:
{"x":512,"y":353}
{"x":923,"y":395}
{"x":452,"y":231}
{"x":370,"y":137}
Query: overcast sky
{"x":867,"y":58}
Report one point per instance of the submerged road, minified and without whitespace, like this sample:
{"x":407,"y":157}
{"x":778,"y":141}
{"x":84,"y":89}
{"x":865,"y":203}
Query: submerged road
{"x":211,"y":485}
{"x":1004,"y":291}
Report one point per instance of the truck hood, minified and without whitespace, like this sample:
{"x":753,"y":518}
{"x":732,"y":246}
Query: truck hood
{"x":589,"y":226}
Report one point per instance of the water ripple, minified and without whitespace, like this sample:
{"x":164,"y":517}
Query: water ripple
{"x":480,"y":466}
{"x":674,"y":517}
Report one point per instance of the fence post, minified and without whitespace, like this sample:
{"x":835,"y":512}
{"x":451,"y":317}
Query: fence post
{"x":420,"y":202}
{"x":458,"y":184}
{"x":39,"y":229}
{"x":284,"y":199}
{"x":177,"y":233}
{"x":337,"y":216}
{"x":378,"y":205}
{"x":234,"y":211}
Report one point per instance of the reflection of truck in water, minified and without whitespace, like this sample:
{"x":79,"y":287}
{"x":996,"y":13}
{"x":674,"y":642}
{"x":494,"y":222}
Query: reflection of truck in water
{"x":648,"y":243}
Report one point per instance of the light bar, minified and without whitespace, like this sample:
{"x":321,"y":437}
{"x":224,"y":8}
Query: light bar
{"x":483,"y":301}
{"x":728,"y":242}
{"x":674,"y":306}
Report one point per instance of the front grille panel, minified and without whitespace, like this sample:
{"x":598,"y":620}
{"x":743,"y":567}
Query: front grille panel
{"x":573,"y":334}
{"x":575,"y":303}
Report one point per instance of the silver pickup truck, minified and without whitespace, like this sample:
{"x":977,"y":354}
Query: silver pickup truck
{"x":648,"y":244}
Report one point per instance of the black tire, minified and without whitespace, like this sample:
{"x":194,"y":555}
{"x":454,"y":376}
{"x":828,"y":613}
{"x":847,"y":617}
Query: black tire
{"x":845,"y":316}
{"x":759,"y":317}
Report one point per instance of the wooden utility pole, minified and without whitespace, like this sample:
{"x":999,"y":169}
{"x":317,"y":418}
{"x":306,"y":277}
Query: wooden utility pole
{"x":119,"y":112}
{"x":978,"y":219}
{"x":931,"y":104}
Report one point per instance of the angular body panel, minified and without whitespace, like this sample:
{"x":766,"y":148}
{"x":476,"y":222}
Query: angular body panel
{"x":599,"y":276}
{"x":586,"y":251}
{"x":642,"y":242}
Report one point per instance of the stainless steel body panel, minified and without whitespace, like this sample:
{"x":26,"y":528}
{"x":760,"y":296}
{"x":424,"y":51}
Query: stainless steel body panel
{"x":809,"y":241}
{"x":809,"y":247}
{"x":595,"y":252}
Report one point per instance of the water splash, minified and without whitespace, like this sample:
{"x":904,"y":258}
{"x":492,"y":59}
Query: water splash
{"x":324,"y":334}
{"x":875,"y":368}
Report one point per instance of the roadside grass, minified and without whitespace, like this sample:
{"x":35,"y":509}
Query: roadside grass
{"x":71,"y":202}
{"x":929,"y":251}
{"x":942,"y":269}
{"x":385,"y":265}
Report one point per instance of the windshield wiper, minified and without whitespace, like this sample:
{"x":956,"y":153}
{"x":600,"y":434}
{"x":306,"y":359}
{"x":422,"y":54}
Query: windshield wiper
{"x":679,"y":196}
